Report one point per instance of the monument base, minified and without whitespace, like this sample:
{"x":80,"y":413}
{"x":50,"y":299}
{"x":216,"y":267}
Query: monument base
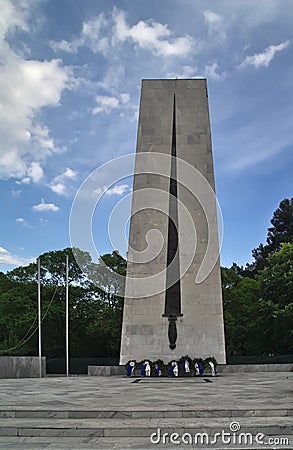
{"x":221,"y":369}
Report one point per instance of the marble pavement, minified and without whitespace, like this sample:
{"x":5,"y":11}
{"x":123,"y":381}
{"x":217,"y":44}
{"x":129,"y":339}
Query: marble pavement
{"x":120,"y":412}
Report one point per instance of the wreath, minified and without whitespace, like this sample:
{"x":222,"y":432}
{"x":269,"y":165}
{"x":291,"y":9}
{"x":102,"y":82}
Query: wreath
{"x":158,"y":367}
{"x":130,"y":366}
{"x":185,"y":369}
{"x":198,"y":366}
{"x":173,"y":368}
{"x":211,"y":367}
{"x":142,"y":367}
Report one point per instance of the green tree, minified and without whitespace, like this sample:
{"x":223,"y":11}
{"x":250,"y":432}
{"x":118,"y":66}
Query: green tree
{"x":53,"y":268}
{"x":276,"y":287}
{"x":276,"y":279}
{"x":18,"y":317}
{"x":53,"y":274}
{"x":280,"y":232}
{"x":283,"y":330}
{"x":259,"y":312}
{"x":246,"y":315}
{"x":282,"y":229}
{"x":95,"y":309}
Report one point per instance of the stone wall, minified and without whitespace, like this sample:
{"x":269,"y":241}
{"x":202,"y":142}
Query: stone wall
{"x":21,"y":366}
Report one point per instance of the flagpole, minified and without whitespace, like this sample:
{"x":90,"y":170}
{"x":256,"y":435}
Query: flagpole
{"x":39,"y":318}
{"x":67,"y":320}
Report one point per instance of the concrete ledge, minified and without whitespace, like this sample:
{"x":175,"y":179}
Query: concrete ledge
{"x":238,"y":368}
{"x":221,"y":368}
{"x":21,"y":367}
{"x":106,"y":370}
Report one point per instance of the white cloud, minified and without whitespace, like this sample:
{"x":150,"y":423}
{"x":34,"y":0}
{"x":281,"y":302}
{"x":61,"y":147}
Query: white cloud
{"x":66,"y":46}
{"x":189,"y":71}
{"x":59,"y":188}
{"x":216,"y":25}
{"x":105,"y":104}
{"x":212,"y":18}
{"x":58,"y":185}
{"x":16,"y":192}
{"x":117,"y":190}
{"x":27,"y":86}
{"x":23,"y":222}
{"x":241,"y":16}
{"x":212,"y":71}
{"x":11,"y":18}
{"x":264,"y":58}
{"x":186,"y":72}
{"x":135,"y":115}
{"x":69,"y":173}
{"x":90,"y":36}
{"x":150,"y":35}
{"x":25,"y":180}
{"x":8,"y":258}
{"x":41,"y":136}
{"x":98,"y":191}
{"x":45,"y":207}
{"x":11,"y":164}
{"x":112,"y":79}
{"x":125,"y":98}
{"x":35,"y":172}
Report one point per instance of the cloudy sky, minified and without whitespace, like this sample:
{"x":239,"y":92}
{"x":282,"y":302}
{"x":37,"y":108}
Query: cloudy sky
{"x":70,"y":79}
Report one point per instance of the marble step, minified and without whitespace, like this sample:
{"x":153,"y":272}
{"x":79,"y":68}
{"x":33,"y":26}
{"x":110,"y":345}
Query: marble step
{"x":270,"y":426}
{"x":142,"y":414}
{"x":139,"y":443}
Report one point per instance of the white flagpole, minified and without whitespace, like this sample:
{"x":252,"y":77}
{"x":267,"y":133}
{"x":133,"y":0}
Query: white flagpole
{"x":66,"y":320}
{"x":39,"y":318}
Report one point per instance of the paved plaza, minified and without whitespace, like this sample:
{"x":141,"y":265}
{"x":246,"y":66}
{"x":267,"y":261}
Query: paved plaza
{"x":120,"y":412}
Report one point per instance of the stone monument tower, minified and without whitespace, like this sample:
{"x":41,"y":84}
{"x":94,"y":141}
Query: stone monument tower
{"x":173,"y":301}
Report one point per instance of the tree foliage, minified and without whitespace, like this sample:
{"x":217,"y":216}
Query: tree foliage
{"x":280,"y":232}
{"x":95,"y":314}
{"x":257,"y":300}
{"x":248,"y":318}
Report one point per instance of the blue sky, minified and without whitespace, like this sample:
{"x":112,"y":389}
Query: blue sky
{"x":70,"y":79}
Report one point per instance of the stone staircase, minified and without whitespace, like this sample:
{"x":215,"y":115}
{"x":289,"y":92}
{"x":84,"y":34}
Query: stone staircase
{"x":132,"y":428}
